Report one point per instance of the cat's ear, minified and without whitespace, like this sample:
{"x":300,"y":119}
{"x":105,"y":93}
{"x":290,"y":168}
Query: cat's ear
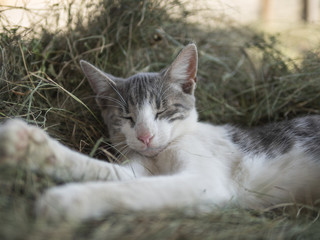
{"x":99,"y":81}
{"x":183,"y":70}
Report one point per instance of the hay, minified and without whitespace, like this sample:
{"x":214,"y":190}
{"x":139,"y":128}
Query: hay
{"x":243,"y":78}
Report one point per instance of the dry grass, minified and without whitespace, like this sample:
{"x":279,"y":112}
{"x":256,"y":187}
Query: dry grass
{"x":243,"y":78}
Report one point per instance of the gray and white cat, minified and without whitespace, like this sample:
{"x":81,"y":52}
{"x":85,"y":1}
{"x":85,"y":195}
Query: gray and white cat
{"x":172,"y":160}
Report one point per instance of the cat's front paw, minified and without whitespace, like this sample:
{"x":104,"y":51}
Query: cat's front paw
{"x":22,"y":143}
{"x":66,"y":203}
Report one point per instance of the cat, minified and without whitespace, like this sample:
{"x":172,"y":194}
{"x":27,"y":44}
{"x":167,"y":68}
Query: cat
{"x":171,"y":159}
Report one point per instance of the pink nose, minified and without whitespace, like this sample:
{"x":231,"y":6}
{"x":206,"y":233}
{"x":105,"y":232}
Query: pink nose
{"x":146,"y":138}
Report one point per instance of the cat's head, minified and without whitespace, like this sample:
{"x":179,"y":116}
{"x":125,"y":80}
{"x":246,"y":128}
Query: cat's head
{"x":148,"y":111}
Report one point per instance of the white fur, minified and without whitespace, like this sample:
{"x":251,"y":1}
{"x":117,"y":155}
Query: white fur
{"x":200,"y":169}
{"x":159,"y":129}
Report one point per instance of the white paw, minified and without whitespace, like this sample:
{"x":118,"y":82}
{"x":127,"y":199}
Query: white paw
{"x":69,"y":203}
{"x":22,"y":143}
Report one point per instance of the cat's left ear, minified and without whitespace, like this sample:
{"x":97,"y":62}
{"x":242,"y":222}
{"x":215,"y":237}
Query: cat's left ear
{"x":99,"y":80}
{"x":183,"y":70}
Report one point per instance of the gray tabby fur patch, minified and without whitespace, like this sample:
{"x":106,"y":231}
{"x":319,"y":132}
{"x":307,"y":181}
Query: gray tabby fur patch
{"x":279,"y":138}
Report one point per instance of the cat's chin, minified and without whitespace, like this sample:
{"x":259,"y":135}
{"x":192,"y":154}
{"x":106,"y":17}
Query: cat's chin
{"x":151,"y":152}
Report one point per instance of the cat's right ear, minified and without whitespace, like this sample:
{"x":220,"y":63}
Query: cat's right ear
{"x":99,"y":81}
{"x":183,"y":70}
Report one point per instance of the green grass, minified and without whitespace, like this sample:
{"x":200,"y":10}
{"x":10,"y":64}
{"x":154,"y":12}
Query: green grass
{"x":244,"y":78}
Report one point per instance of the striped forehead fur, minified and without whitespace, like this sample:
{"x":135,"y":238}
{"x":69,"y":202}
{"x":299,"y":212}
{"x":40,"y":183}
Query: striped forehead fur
{"x":142,"y":87}
{"x":154,"y":88}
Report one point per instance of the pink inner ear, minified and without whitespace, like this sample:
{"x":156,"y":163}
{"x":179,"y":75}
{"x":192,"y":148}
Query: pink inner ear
{"x":184,"y":68}
{"x":192,"y":69}
{"x":188,"y":86}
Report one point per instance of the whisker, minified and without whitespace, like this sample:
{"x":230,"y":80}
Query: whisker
{"x":112,"y":100}
{"x":108,"y":105}
{"x":114,"y":145}
{"x":121,"y":150}
{"x":122,"y":99}
{"x":165,"y":92}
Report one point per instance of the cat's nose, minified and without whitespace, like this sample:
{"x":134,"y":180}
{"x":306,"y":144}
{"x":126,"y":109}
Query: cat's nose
{"x":146,"y":138}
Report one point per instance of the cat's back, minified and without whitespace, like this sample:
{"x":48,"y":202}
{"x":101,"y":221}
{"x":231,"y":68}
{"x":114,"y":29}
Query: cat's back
{"x":269,"y":141}
{"x":279,"y":162}
{"x":279,"y":138}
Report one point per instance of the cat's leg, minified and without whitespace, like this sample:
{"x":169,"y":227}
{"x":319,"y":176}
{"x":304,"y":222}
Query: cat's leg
{"x":96,"y":199}
{"x":23,"y":144}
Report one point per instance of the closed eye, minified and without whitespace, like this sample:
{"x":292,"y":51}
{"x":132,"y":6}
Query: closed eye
{"x":159,"y":113}
{"x":128,"y":118}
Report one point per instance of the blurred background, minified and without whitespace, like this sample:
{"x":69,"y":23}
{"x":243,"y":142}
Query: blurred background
{"x":259,"y":62}
{"x":241,"y":41}
{"x":268,"y":13}
{"x":295,"y":21}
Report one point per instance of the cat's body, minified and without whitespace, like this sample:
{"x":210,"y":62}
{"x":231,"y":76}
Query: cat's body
{"x":172,"y":159}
